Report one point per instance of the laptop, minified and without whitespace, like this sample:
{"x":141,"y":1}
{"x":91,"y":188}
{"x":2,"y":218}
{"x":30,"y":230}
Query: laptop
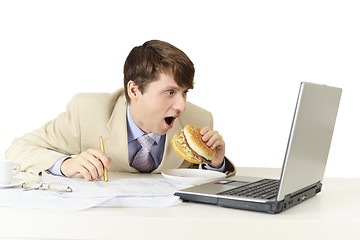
{"x":303,"y":167}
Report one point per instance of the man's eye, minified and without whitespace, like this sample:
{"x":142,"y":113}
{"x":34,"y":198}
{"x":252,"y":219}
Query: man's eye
{"x":170,"y":93}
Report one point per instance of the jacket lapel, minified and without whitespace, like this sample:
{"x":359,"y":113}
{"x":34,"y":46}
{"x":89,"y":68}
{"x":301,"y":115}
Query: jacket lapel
{"x":115,"y":140}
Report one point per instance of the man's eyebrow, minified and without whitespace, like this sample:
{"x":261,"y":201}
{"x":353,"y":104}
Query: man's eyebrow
{"x":176,"y":87}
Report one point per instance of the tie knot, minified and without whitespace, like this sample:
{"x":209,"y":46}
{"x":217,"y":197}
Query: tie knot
{"x":146,"y":142}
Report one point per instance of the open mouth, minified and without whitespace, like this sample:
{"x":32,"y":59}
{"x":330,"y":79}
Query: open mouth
{"x":169,"y":120}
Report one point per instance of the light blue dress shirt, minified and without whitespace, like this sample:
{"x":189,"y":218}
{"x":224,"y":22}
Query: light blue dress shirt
{"x":133,"y":132}
{"x":157,"y":150}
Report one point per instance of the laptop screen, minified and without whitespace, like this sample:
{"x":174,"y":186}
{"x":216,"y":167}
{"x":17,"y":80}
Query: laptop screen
{"x":310,"y":137}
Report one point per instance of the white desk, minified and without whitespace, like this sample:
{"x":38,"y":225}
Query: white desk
{"x":332,"y":214}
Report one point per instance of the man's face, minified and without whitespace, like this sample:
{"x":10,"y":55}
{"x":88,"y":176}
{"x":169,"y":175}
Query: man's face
{"x":162,"y":101}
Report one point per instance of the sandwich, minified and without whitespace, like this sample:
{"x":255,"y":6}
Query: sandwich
{"x":189,"y":145}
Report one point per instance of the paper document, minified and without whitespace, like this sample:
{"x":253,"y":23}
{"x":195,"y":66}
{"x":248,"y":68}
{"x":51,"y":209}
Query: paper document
{"x":39,"y":199}
{"x":122,"y":190}
{"x":144,"y":186}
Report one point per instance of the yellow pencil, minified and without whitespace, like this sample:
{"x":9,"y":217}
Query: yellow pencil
{"x":106,"y":178}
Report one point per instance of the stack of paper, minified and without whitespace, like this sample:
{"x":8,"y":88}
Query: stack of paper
{"x":128,"y":190}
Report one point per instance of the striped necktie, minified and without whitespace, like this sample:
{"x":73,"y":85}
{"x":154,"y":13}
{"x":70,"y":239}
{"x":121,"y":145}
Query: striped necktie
{"x":143,"y":161}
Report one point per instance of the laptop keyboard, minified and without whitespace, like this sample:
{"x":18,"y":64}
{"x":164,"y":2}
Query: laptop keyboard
{"x":263,"y":189}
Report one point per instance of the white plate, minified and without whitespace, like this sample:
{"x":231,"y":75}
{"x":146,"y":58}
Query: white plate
{"x":192,"y":176}
{"x":15,"y":182}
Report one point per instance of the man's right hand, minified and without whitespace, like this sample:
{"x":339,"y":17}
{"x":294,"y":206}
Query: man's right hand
{"x":90,"y":164}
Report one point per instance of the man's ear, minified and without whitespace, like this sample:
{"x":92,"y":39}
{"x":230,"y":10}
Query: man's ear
{"x":133,"y":90}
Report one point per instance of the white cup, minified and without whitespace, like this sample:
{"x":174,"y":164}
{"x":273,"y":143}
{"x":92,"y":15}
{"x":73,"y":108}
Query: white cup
{"x":7,"y":170}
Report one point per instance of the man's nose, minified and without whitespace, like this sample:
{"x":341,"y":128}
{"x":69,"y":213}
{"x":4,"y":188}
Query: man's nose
{"x":180,"y":104}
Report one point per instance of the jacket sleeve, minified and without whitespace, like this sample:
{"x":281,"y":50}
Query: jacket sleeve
{"x":39,"y":150}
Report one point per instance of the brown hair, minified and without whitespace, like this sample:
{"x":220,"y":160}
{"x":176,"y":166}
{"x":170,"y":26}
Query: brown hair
{"x":144,"y":64}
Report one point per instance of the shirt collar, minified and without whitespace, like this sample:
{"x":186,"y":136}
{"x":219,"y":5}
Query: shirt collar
{"x":134,"y":131}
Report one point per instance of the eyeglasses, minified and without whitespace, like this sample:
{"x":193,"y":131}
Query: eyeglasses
{"x":39,"y":185}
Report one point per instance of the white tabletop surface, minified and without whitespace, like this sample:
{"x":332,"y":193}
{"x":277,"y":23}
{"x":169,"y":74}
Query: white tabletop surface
{"x":332,"y":214}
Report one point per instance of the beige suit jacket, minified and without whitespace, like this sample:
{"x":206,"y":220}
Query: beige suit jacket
{"x":89,"y":116}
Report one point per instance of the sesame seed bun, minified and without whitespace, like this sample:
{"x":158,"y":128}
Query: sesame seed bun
{"x":190,"y":146}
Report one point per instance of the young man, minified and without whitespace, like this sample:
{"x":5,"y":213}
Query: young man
{"x":157,"y":77}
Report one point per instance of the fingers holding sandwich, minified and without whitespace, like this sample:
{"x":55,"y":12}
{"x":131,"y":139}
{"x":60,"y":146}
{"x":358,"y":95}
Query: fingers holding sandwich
{"x":200,"y":145}
{"x":214,"y":140}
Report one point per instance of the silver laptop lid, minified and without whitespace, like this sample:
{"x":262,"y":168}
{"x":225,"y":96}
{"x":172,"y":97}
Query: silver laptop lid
{"x":310,"y":137}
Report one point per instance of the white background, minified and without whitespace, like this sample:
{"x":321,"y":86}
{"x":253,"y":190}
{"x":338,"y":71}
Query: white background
{"x":250,"y":57}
